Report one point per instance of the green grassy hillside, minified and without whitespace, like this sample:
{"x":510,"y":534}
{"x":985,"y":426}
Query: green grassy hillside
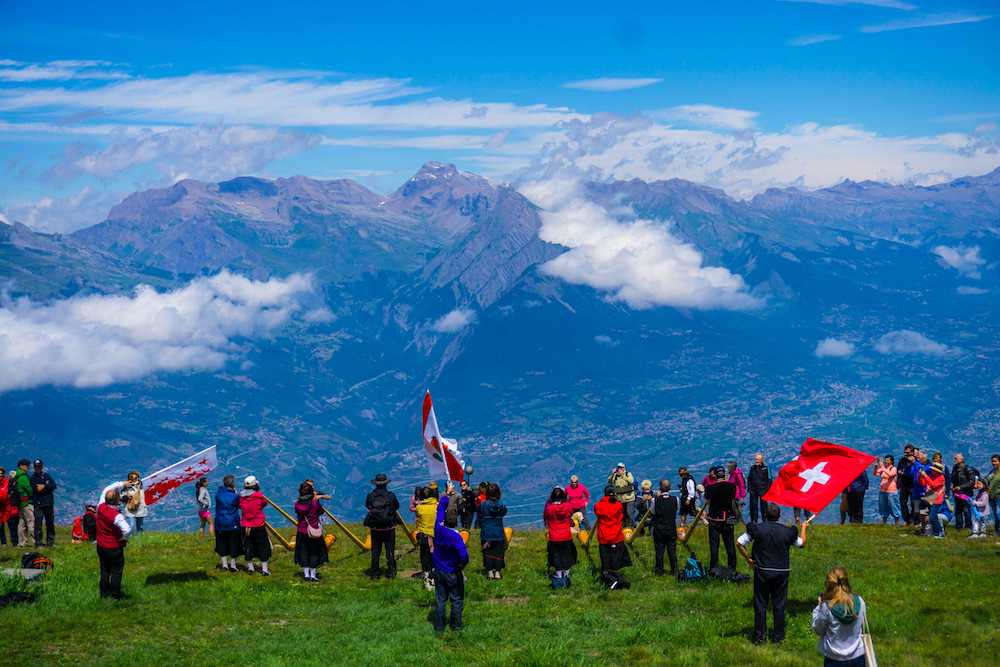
{"x":932,"y":603}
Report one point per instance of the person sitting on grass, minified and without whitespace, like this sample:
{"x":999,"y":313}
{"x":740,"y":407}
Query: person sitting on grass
{"x":771,"y":565}
{"x":310,"y":547}
{"x":228,"y":536}
{"x":664,"y":528}
{"x":204,"y":501}
{"x":85,"y":525}
{"x":560,"y":548}
{"x":450,"y":558}
{"x":610,"y":536}
{"x":256,"y":543}
{"x":426,"y":510}
{"x":112,"y":536}
{"x":838,"y":619}
{"x":491,"y":532}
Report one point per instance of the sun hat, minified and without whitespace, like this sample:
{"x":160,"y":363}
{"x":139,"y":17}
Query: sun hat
{"x":249,"y":482}
{"x":381,"y":479}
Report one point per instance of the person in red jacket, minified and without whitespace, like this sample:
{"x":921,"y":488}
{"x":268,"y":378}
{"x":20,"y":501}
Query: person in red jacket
{"x":609,"y":512}
{"x":4,"y":510}
{"x":256,"y":543}
{"x":112,"y":536}
{"x":578,"y":497}
{"x":933,"y":481}
{"x":561,"y":550}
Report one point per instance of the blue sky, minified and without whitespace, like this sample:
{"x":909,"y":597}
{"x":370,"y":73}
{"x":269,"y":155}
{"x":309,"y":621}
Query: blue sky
{"x":96,"y":102}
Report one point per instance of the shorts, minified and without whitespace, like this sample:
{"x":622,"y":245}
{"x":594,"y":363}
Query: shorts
{"x":204,"y":515}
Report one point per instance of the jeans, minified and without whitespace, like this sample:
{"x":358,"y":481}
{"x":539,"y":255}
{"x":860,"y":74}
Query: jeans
{"x":888,"y":506}
{"x":717,"y":529}
{"x":112,"y":566}
{"x":665,"y":540}
{"x":449,"y":586}
{"x":135,"y":523}
{"x":45,"y":514}
{"x":26,"y":526}
{"x":769,"y":589}
{"x":936,"y":511}
{"x":384,"y":538}
{"x":994,"y":506}
{"x":756,"y":507}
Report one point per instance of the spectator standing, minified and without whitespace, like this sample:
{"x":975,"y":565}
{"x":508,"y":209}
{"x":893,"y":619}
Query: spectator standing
{"x":993,"y":491}
{"x":624,"y":485}
{"x":381,"y":519}
{"x":720,"y":496}
{"x":492,"y":536}
{"x":962,"y":478}
{"x":112,"y":536}
{"x":43,"y":501}
{"x":980,"y":508}
{"x":578,"y":497}
{"x":310,"y":546}
{"x":256,"y":543}
{"x":450,"y":558}
{"x":203,"y":500}
{"x":904,"y":483}
{"x":467,"y":504}
{"x":134,"y":497}
{"x":758,"y":482}
{"x":933,"y":480}
{"x":888,"y":498}
{"x":856,"y":498}
{"x":23,"y":492}
{"x":426,"y":512}
{"x":4,"y":509}
{"x":689,"y":495}
{"x":664,"y":528}
{"x":228,"y":536}
{"x":737,"y":479}
{"x":13,"y":513}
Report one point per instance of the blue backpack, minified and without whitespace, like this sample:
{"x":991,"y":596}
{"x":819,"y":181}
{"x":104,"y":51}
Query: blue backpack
{"x":560,"y":582}
{"x":693,"y":570}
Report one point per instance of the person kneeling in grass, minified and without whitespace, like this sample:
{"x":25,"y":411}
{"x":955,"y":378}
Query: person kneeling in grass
{"x":771,"y":566}
{"x":839,"y":619}
{"x":450,"y":558}
{"x":256,"y":543}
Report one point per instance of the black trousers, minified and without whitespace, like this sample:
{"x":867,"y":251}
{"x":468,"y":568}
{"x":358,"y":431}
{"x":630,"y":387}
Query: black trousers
{"x":756,"y":507}
{"x":12,"y":528}
{"x":724,"y":530}
{"x":112,"y":566}
{"x":963,"y":515}
{"x":426,"y":559}
{"x":384,"y":538}
{"x":856,"y":506}
{"x":628,"y":513}
{"x":449,"y":586}
{"x":904,"y":505}
{"x":769,"y":589}
{"x":466,"y":519}
{"x":48,"y":514}
{"x":665,"y":540}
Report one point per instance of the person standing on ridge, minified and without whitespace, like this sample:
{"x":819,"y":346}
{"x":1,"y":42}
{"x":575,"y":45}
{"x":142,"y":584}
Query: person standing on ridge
{"x":611,"y":539}
{"x":993,"y":491}
{"x":13,"y":513}
{"x":962,"y":479}
{"x":491,"y":533}
{"x":721,"y":496}
{"x":467,"y":506}
{"x":904,"y":483}
{"x":43,"y":504}
{"x":856,"y":498}
{"x":112,"y":535}
{"x":256,"y":543}
{"x":426,"y":512}
{"x":560,"y":548}
{"x":383,"y":507}
{"x":771,"y":566}
{"x":450,"y":558}
{"x":664,"y":528}
{"x":228,"y":536}
{"x":23,"y":492}
{"x":758,"y":482}
{"x":888,"y":500}
{"x":689,"y":495}
{"x":310,"y":545}
{"x":739,"y":481}
{"x":624,"y":485}
{"x":578,"y":497}
{"x":203,"y":500}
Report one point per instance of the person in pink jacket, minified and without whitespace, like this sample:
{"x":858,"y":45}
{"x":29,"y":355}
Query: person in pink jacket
{"x":578,"y":497}
{"x":736,"y":478}
{"x":256,"y":543}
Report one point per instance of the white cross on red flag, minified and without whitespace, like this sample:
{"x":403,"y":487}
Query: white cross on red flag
{"x":162,"y":482}
{"x":820,"y":472}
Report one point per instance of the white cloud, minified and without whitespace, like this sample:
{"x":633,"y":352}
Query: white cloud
{"x":86,"y":207}
{"x":211,"y":153}
{"x":968,"y":290}
{"x":611,"y":84}
{"x":808,"y":40}
{"x":929,"y":21}
{"x":455,"y":320}
{"x":834,"y":347}
{"x":888,"y":4}
{"x":94,"y":341}
{"x":283,"y":98}
{"x":907,"y":341}
{"x":604,"y":339}
{"x":965,"y":260}
{"x":746,"y":162}
{"x":639,"y":263}
{"x":706,"y":115}
{"x":59,"y":70}
{"x":322,"y":315}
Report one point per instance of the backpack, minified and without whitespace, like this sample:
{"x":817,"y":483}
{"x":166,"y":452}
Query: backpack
{"x":693,"y":570}
{"x":35,"y":561}
{"x":381,"y":515}
{"x":614,"y":580}
{"x":560,"y":582}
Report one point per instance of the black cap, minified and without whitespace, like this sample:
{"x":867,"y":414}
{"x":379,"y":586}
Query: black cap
{"x":380,"y":479}
{"x":23,"y":462}
{"x":609,"y":490}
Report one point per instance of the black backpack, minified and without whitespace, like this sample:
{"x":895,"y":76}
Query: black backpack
{"x":35,"y":561}
{"x":614,"y":580}
{"x":381,"y":515}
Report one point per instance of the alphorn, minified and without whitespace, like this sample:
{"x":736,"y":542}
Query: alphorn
{"x":411,"y":534}
{"x":630,"y":533}
{"x":329,"y":538}
{"x":365,"y":545}
{"x":288,"y":544}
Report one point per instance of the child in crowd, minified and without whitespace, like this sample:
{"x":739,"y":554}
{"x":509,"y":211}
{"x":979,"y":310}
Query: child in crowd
{"x":980,"y":508}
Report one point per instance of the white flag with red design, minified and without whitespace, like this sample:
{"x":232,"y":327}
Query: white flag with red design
{"x":443,"y":458}
{"x":162,"y":482}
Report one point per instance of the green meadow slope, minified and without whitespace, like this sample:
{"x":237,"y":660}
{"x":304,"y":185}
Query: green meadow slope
{"x":932,"y":603}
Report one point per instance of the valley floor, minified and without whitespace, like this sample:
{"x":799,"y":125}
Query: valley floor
{"x":932,"y":603}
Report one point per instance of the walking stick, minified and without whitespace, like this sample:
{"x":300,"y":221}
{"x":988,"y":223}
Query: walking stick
{"x":412,"y":535}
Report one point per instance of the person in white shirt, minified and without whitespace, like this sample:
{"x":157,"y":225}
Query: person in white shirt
{"x":839,"y":619}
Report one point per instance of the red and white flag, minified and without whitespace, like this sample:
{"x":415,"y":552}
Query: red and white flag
{"x":443,"y":458}
{"x":820,"y":472}
{"x":162,"y":482}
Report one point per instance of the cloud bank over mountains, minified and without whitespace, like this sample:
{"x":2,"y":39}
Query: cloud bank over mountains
{"x":94,"y":341}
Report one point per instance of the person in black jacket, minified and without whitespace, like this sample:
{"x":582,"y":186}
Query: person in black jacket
{"x":43,"y":486}
{"x":758,"y":482}
{"x":904,"y":483}
{"x":771,"y":566}
{"x":962,"y":479}
{"x":466,"y":504}
{"x":720,"y":496}
{"x":383,"y":507}
{"x":664,"y":527}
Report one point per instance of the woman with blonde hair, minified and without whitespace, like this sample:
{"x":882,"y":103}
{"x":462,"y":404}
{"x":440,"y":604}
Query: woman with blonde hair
{"x":839,"y":619}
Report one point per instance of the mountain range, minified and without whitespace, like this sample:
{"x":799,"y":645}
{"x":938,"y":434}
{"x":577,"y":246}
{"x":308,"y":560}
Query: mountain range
{"x":445,"y":284}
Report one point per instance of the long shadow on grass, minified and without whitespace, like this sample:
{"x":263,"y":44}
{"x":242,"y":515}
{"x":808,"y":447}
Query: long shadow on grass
{"x":177,"y":577}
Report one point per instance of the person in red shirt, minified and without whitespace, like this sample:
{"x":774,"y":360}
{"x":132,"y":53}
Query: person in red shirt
{"x":609,"y":512}
{"x":112,"y":535}
{"x":561,"y":550}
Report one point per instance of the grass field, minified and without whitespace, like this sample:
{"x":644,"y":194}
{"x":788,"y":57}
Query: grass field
{"x":932,"y":603}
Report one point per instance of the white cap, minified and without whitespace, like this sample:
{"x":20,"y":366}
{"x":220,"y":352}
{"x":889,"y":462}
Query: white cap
{"x":620,"y":465}
{"x":249,"y":481}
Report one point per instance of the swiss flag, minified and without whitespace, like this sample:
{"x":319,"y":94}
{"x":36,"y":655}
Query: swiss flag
{"x":820,"y":472}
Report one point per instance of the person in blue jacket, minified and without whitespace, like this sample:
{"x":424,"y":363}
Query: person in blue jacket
{"x":920,"y":509}
{"x":491,"y":533}
{"x":228,"y":535}
{"x":450,"y":558}
{"x":856,"y":498}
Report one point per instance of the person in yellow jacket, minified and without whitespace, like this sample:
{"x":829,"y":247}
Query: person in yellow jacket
{"x":426,"y":511}
{"x":624,"y":485}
